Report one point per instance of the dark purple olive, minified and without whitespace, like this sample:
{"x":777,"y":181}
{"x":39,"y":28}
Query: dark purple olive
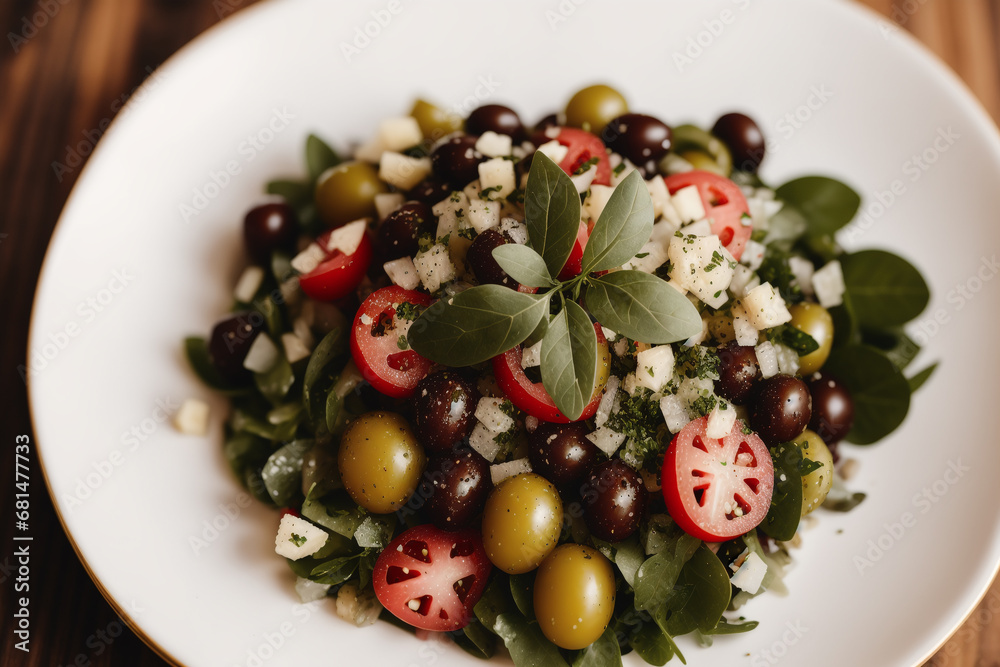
{"x":561,"y":453}
{"x":743,"y":138}
{"x":738,"y":372}
{"x":781,"y":409}
{"x":614,"y":500}
{"x":229,"y":343}
{"x":832,"y":408}
{"x":430,"y":191}
{"x":444,"y":405}
{"x":638,"y":137}
{"x":459,"y":486}
{"x":456,"y":160}
{"x":552,"y":120}
{"x":398,"y":236}
{"x":495,"y":118}
{"x":484,"y":266}
{"x":267,"y":228}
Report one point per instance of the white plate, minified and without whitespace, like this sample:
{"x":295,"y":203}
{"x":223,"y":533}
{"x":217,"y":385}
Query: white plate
{"x":134,"y":504}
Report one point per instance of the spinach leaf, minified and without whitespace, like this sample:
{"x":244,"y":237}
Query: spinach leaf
{"x":321,"y":372}
{"x":335,"y":511}
{"x":885,"y":289}
{"x":275,"y":382}
{"x":711,"y":590}
{"x":725,"y":627}
{"x":649,"y":642}
{"x":918,"y":380}
{"x":527,"y":645}
{"x":899,"y":348}
{"x":783,"y":517}
{"x":656,"y":577}
{"x":196,"y":351}
{"x":623,"y":227}
{"x":522,"y":588}
{"x":569,"y":360}
{"x":881,"y":394}
{"x":605,"y":652}
{"x":476,"y":640}
{"x":335,"y":571}
{"x":282,"y":474}
{"x":642,"y":307}
{"x":551,"y":212}
{"x":825,"y":203}
{"x":319,"y":157}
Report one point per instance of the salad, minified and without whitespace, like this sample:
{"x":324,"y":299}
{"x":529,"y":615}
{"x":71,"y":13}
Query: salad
{"x":572,"y":389}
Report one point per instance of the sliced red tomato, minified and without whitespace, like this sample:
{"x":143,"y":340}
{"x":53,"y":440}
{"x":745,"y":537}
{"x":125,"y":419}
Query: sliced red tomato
{"x":383,"y":358}
{"x":717,"y":488}
{"x":339,"y":274}
{"x":574,"y":264}
{"x":583,"y":147}
{"x":724,"y":205}
{"x":431,"y":578}
{"x":531,"y":397}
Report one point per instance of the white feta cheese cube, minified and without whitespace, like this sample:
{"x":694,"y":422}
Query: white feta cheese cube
{"x":595,"y":202}
{"x":370,"y":151}
{"x":347,"y":238}
{"x":434,"y":267}
{"x":310,"y":591}
{"x":397,"y":134}
{"x":403,"y":171}
{"x":448,"y":212}
{"x":553,"y":150}
{"x":192,"y":417}
{"x":803,"y":271}
{"x":700,"y":228}
{"x":497,"y":173}
{"x":482,"y":440}
{"x":492,"y":144}
{"x":828,"y":283}
{"x":767,"y":359}
{"x":663,"y":233}
{"x":765,"y":308}
{"x":753,"y":255}
{"x":788,"y":359}
{"x":262,"y":355}
{"x":660,"y":197}
{"x":532,"y":355}
{"x":654,"y":367}
{"x":618,"y":174}
{"x":675,"y":164}
{"x":502,"y":471}
{"x":491,"y":415}
{"x":583,"y":180}
{"x":675,"y":413}
{"x":307,"y":260}
{"x":750,"y":576}
{"x":746,"y":333}
{"x":483,"y":214}
{"x":720,"y":420}
{"x":297,"y":538}
{"x":742,"y":275}
{"x":387,"y":202}
{"x":301,"y":328}
{"x":295,"y":349}
{"x":699,"y":337}
{"x":702,"y":266}
{"x":248,"y":284}
{"x":515,"y":229}
{"x":360,"y":607}
{"x":402,"y":272}
{"x":606,"y":439}
{"x":608,"y":401}
{"x":687,"y":202}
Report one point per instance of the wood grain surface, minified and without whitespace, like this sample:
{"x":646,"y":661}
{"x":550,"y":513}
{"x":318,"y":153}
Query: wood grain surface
{"x":65,"y":68}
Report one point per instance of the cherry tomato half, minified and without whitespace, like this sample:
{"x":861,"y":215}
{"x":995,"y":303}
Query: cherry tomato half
{"x":339,"y":274}
{"x":724,"y":205}
{"x":584,"y":146}
{"x":574,"y":263}
{"x":532,"y":397}
{"x":431,"y":578}
{"x":717,"y":488}
{"x":379,"y":353}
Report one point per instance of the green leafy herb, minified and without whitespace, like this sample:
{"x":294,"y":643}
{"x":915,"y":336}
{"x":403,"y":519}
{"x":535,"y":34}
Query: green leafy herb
{"x":319,"y":157}
{"x":297,"y":540}
{"x":708,"y":580}
{"x":697,"y":361}
{"x":586,"y":165}
{"x":523,"y":265}
{"x":918,"y":380}
{"x":783,"y":517}
{"x":639,"y":419}
{"x":569,"y":360}
{"x":551,"y":212}
{"x":408,"y":311}
{"x":642,"y":307}
{"x":885,"y":289}
{"x":655,"y":580}
{"x":880,"y":391}
{"x":605,"y":652}
{"x":623,"y":227}
{"x":321,"y":371}
{"x":282,"y":474}
{"x":899,"y":348}
{"x":825,"y":203}
{"x":794,"y":338}
{"x":196,"y":350}
{"x":275,"y":382}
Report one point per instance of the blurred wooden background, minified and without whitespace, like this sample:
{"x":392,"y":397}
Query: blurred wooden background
{"x":80,"y":57}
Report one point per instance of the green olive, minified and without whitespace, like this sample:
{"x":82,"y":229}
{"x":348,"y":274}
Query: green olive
{"x":522,"y":522}
{"x":816,"y":321}
{"x":594,"y":107}
{"x":574,"y":596}
{"x":434,"y":121}
{"x":380,"y":461}
{"x":702,"y":150}
{"x":347,"y":192}
{"x":816,"y":485}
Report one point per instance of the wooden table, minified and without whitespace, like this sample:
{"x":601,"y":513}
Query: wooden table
{"x":64,"y":80}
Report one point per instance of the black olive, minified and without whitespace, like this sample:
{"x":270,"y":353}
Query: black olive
{"x":401,"y":229}
{"x":638,"y":137}
{"x":459,"y":484}
{"x":781,"y":409}
{"x":267,"y":228}
{"x":743,"y":138}
{"x":229,"y":343}
{"x":456,"y":160}
{"x":561,"y":453}
{"x":552,"y":120}
{"x":444,"y":406}
{"x":430,"y":191}
{"x":484,"y":266}
{"x":833,"y":408}
{"x":738,"y":372}
{"x":614,"y":500}
{"x":495,"y":118}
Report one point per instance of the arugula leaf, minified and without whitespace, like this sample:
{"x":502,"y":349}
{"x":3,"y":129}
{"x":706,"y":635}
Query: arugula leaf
{"x":655,"y":580}
{"x":826,"y":204}
{"x":885,"y":289}
{"x":551,"y":212}
{"x":783,"y":517}
{"x":282,"y":474}
{"x":605,"y":652}
{"x":711,"y":590}
{"x":523,"y":265}
{"x":476,"y":325}
{"x":918,"y":380}
{"x":881,"y":394}
{"x":319,"y":157}
{"x":642,"y":307}
{"x":622,"y":228}
{"x":569,"y":360}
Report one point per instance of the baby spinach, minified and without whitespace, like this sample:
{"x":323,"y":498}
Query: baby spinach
{"x":880,"y":391}
{"x":656,"y":577}
{"x":885,"y":289}
{"x":825,"y":203}
{"x":282,"y":474}
{"x":708,"y":580}
{"x":605,"y":652}
{"x":918,"y":380}
{"x":783,"y":517}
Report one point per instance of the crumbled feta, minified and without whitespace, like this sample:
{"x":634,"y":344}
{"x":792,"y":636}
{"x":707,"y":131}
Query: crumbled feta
{"x":262,"y":355}
{"x":675,"y":413}
{"x":434,"y":267}
{"x":403,"y":171}
{"x":301,"y":328}
{"x":763,"y":209}
{"x":497,"y":172}
{"x":746,"y":333}
{"x":347,"y":238}
{"x":828,"y":283}
{"x":532,"y":355}
{"x":554,"y":150}
{"x":402,"y":272}
{"x":482,"y":440}
{"x":387,"y":202}
{"x":765,"y":308}
{"x":751,"y":574}
{"x":360,"y":607}
{"x":492,"y":144}
{"x":608,"y":401}
{"x":248,"y":284}
{"x":767,"y":359}
{"x":297,"y":538}
{"x":192,"y":417}
{"x":595,"y":202}
{"x":307,"y":260}
{"x":295,"y":349}
{"x":687,"y":202}
{"x":583,"y":180}
{"x":483,"y":214}
{"x":310,"y":591}
{"x":742,"y":276}
{"x":675,"y":164}
{"x":397,"y":134}
{"x":654,"y":367}
{"x":490,"y":414}
{"x":700,"y":228}
{"x":788,"y":359}
{"x":703,"y":266}
{"x":370,"y":151}
{"x":515,"y":229}
{"x":501,"y":471}
{"x":753,"y":254}
{"x":606,"y":439}
{"x":720,"y":420}
{"x":660,"y":196}
{"x":803,"y":271}
{"x":448,"y":212}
